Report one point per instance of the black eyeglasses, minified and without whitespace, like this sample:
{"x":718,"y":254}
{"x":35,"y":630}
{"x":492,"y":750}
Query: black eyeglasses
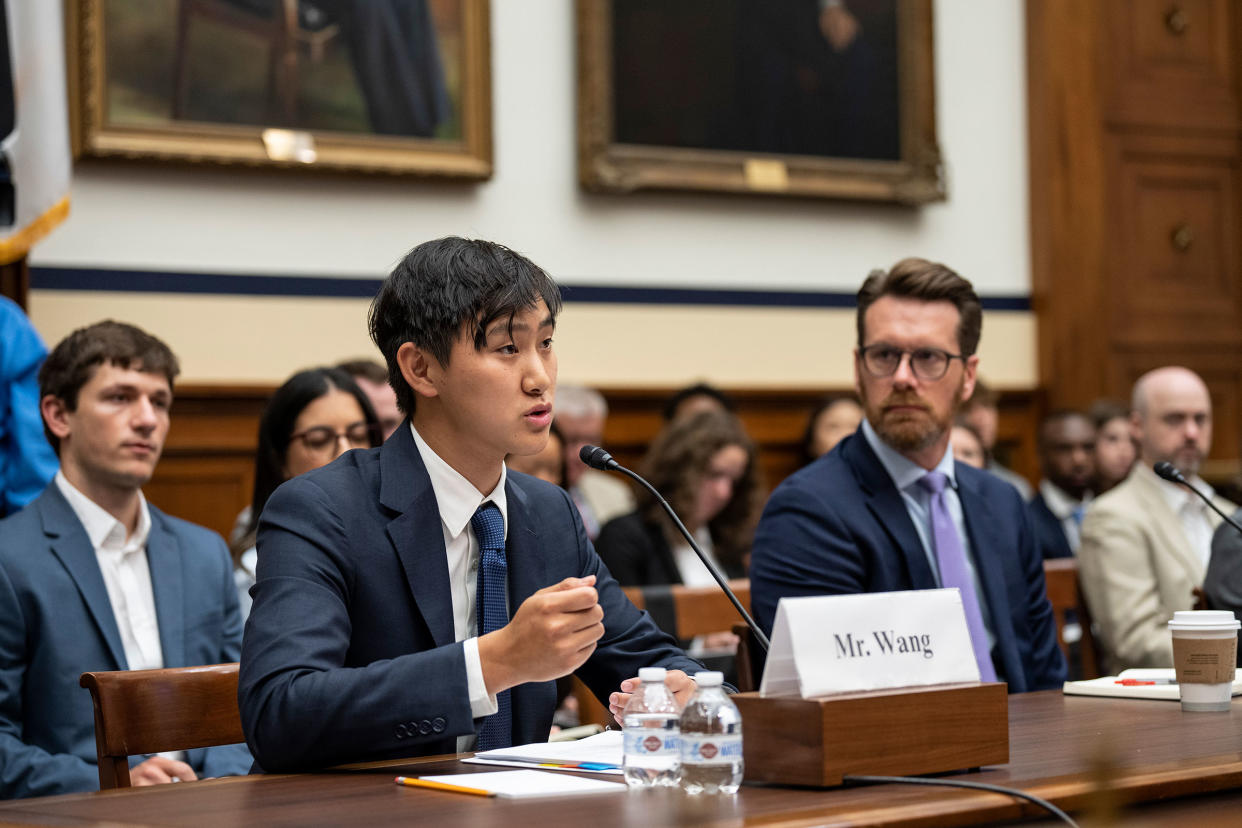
{"x":321,"y":438}
{"x":928,"y":364}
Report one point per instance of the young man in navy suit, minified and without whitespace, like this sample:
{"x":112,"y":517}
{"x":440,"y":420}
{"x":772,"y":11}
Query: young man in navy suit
{"x":1067,"y":460}
{"x":889,"y":509}
{"x":92,"y":577}
{"x":418,"y":598}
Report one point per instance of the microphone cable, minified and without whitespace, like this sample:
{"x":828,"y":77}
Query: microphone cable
{"x":851,"y":779}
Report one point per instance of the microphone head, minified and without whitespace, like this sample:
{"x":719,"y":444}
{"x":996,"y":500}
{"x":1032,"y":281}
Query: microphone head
{"x":597,"y":458}
{"x":1168,"y":471}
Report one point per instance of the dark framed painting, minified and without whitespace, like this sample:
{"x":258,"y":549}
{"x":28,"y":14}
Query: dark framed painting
{"x":394,"y":86}
{"x":821,"y":98}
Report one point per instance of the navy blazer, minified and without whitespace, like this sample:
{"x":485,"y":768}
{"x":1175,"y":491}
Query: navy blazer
{"x":56,"y":622}
{"x":840,"y":526}
{"x":1050,"y":537}
{"x":349,"y":651}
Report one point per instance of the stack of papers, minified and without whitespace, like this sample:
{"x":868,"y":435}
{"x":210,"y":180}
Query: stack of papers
{"x":528,"y":783}
{"x":600,"y":753}
{"x":1137,"y":684}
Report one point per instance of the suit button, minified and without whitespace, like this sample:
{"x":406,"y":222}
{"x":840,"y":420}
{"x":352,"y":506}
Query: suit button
{"x":424,"y":727}
{"x":438,"y":724}
{"x":401,"y":731}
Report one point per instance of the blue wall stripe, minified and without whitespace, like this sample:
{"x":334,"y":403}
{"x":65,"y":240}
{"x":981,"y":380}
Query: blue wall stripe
{"x":150,"y":281}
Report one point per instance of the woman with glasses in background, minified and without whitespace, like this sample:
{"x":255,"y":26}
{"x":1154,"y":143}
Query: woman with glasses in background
{"x":314,"y":418}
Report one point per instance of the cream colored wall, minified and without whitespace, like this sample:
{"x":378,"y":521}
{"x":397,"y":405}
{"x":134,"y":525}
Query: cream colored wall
{"x":245,"y":339}
{"x":220,"y":220}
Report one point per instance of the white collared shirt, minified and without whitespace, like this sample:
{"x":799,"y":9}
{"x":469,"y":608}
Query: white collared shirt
{"x":458,"y":500}
{"x":1062,"y":506}
{"x":692,"y":571}
{"x":122,"y":559}
{"x":906,"y":474}
{"x":1193,"y":513}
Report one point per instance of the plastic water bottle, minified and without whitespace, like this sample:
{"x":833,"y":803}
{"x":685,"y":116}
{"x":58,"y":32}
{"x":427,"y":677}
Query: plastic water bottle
{"x":652,"y":756}
{"x":711,"y":739}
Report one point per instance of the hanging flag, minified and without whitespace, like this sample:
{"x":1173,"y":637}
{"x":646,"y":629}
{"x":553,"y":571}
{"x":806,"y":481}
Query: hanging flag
{"x":34,"y":124}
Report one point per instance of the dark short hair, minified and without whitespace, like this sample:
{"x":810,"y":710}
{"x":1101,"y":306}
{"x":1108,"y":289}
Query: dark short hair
{"x":1104,"y":410}
{"x":441,"y":286}
{"x":984,"y":396}
{"x":276,"y":427}
{"x":675,"y":464}
{"x":1056,"y":416}
{"x":700,"y":389}
{"x":73,"y":361}
{"x":928,"y":282}
{"x":367,"y":369}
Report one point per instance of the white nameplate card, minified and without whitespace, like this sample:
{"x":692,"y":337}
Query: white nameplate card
{"x":842,"y":643}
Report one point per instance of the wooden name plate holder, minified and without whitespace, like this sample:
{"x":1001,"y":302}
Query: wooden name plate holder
{"x":899,"y":732}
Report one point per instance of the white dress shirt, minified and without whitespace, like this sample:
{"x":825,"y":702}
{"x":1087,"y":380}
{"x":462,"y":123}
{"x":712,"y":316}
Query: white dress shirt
{"x":126,"y":574}
{"x":458,"y":500}
{"x":1193,"y":513}
{"x":692,"y":571}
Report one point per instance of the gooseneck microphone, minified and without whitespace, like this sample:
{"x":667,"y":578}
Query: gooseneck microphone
{"x":597,"y":458}
{"x":1169,"y":472}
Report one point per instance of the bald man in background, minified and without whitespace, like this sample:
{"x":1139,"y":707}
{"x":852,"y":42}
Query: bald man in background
{"x":1145,"y":543}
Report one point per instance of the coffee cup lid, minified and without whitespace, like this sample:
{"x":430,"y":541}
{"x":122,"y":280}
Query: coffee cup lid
{"x":1204,"y":620}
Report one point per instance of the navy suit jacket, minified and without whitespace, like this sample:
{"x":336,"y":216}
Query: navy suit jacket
{"x":840,"y":526}
{"x":1050,"y":537}
{"x":349,"y":651}
{"x":56,"y":622}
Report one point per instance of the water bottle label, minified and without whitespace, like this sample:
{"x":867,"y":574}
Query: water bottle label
{"x":711,"y":748}
{"x":644,"y":742}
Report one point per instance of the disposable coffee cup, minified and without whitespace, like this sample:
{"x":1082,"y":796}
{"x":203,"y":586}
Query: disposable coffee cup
{"x":1205,"y":652}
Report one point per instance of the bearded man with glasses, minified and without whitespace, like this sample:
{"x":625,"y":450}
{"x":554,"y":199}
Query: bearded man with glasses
{"x":889,"y":509}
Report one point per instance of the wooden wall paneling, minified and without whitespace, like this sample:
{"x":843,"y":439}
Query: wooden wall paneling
{"x":1174,"y":259}
{"x":1180,"y":54}
{"x":1068,"y":207}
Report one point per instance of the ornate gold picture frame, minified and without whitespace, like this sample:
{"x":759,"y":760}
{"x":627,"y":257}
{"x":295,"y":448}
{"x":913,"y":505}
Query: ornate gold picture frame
{"x":320,"y":84}
{"x":782,"y":97}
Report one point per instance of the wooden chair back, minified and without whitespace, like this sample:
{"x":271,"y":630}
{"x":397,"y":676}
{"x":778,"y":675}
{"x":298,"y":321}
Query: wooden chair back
{"x":150,"y":711}
{"x":1065,"y":595}
{"x":682,"y":612}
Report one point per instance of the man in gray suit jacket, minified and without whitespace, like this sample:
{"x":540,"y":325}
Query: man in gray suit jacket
{"x":94,"y":578}
{"x":1145,"y":543}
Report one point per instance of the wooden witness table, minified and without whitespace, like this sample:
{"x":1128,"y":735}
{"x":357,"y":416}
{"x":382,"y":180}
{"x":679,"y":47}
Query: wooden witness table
{"x":1061,"y":748}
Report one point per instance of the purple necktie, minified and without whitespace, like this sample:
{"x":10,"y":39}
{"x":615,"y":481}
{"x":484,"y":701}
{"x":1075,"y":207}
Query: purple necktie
{"x":951,"y":559}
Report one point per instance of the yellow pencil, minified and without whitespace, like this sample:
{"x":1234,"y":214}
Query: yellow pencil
{"x":414,"y":782}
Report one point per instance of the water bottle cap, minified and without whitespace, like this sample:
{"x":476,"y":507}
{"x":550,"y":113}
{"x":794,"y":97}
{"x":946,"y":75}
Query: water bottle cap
{"x":652,"y":674}
{"x":709,"y":678}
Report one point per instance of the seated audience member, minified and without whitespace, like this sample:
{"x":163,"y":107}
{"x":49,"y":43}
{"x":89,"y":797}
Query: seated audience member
{"x":314,"y":418}
{"x":1066,"y":459}
{"x":1145,"y":543}
{"x":92,"y":577}
{"x":27,"y":462}
{"x":890,"y":509}
{"x":705,"y":466}
{"x":372,"y":378}
{"x":1115,"y":449}
{"x":967,"y":445}
{"x":981,"y":411}
{"x":834,"y":418}
{"x":1222,"y":585}
{"x":548,"y":465}
{"x":696,"y":398}
{"x":416,"y":599}
{"x":599,"y":496}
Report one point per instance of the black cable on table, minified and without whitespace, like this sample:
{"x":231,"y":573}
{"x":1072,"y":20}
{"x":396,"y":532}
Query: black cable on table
{"x":954,"y":783}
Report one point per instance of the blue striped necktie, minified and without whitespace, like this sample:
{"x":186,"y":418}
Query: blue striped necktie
{"x":495,"y":731}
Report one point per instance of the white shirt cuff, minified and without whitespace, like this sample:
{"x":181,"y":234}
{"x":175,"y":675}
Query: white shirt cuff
{"x":481,"y":704}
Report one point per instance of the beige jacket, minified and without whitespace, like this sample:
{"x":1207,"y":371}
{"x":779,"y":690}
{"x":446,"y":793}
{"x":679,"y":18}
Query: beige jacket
{"x":1137,"y":568}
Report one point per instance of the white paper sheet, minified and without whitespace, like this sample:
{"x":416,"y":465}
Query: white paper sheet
{"x":529,"y":783}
